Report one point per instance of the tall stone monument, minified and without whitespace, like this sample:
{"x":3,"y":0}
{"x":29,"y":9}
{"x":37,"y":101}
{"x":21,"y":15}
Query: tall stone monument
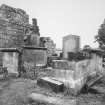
{"x":71,"y":43}
{"x":35,"y":35}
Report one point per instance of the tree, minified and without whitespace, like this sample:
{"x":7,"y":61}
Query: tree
{"x":86,"y":47}
{"x":100,"y":38}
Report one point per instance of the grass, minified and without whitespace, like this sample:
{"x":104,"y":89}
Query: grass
{"x":15,"y":92}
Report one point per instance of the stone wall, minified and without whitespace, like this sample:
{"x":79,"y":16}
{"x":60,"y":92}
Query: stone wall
{"x":15,"y":15}
{"x":63,"y":64}
{"x":1,"y":54}
{"x":77,"y":73}
{"x":82,"y":68}
{"x":35,"y":56}
{"x":10,"y":60}
{"x":33,"y":59}
{"x":14,"y":27}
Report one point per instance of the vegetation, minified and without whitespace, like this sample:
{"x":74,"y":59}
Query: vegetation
{"x":75,"y":56}
{"x":100,"y":38}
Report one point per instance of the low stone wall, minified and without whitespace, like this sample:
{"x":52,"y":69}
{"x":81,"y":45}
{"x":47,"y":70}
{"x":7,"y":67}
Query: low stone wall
{"x":35,"y":56}
{"x":63,"y":64}
{"x":10,"y":61}
{"x":68,"y":78}
{"x":30,"y":71}
{"x":76,"y":77}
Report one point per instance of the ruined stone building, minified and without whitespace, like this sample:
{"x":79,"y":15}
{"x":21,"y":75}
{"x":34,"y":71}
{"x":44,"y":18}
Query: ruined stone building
{"x":58,"y":51}
{"x":15,"y":30}
{"x":48,"y":43}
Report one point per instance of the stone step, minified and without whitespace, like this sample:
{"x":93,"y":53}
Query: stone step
{"x":92,"y":81}
{"x":51,"y":84}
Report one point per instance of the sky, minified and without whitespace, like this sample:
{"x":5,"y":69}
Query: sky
{"x":58,"y":18}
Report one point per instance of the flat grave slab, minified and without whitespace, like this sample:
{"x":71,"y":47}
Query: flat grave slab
{"x":50,"y":83}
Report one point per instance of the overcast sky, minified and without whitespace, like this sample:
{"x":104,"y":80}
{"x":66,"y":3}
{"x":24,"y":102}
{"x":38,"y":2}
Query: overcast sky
{"x":58,"y":18}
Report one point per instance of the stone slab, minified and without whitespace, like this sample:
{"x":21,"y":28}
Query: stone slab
{"x":98,"y":89}
{"x":50,"y":83}
{"x":93,"y":81}
{"x":51,"y":99}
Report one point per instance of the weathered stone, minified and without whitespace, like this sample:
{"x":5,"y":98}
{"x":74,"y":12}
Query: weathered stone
{"x":71,"y":43}
{"x":35,"y":40}
{"x":63,"y":64}
{"x":13,"y":25}
{"x":60,"y":64}
{"x":11,"y":60}
{"x":98,"y":89}
{"x":35,"y":27}
{"x":50,"y":100}
{"x":35,"y":55}
{"x":14,"y":14}
{"x":67,"y":77}
{"x":92,"y":80}
{"x":49,"y":44}
{"x":50,"y":83}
